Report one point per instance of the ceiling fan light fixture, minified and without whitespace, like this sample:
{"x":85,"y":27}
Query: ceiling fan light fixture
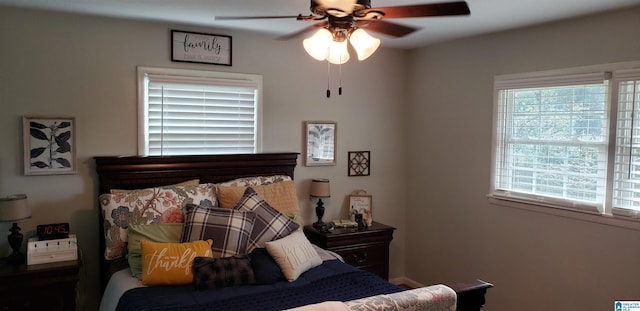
{"x":342,"y":6}
{"x":338,"y":53}
{"x":317,"y":45}
{"x":364,"y":44}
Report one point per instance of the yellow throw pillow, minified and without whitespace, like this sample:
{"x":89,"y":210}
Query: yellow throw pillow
{"x":170,"y":263}
{"x":281,"y":196}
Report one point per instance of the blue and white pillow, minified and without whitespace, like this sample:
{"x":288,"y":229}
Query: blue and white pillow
{"x":229,"y":229}
{"x":270,"y":224}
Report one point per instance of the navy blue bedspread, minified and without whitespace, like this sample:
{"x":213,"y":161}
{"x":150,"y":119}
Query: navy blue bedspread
{"x":333,"y":280}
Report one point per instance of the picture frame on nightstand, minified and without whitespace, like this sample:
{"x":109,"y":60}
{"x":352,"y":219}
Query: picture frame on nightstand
{"x":361,"y":203}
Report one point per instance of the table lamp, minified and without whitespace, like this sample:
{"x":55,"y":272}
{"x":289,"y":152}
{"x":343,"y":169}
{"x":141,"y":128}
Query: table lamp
{"x":14,"y":208}
{"x":320,"y":189}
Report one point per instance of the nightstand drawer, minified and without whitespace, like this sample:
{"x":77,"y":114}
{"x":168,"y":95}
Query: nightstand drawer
{"x":366,"y":249}
{"x":50,"y":286}
{"x":363,"y":256}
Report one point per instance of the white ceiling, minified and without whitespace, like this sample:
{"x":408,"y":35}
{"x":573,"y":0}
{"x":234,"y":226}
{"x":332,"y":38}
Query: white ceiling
{"x":486,"y":15}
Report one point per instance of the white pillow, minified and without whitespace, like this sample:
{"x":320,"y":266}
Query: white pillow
{"x":294,"y":254}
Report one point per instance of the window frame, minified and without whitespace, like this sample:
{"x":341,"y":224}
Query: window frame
{"x":226,"y":78}
{"x":604,"y":215}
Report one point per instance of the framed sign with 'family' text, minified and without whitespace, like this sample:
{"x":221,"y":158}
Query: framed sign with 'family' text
{"x":194,"y":47}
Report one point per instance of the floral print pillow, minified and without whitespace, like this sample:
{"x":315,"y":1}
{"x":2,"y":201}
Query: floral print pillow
{"x":147,"y":206}
{"x":255,"y":181}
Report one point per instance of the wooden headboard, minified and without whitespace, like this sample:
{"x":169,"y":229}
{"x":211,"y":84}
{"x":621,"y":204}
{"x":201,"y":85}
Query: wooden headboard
{"x":136,"y":172}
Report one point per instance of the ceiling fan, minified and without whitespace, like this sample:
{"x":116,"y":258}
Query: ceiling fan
{"x":344,"y":16}
{"x":340,"y":21}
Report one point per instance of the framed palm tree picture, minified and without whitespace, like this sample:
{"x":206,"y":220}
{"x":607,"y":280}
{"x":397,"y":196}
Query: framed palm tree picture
{"x":320,"y":143}
{"x":49,"y":145}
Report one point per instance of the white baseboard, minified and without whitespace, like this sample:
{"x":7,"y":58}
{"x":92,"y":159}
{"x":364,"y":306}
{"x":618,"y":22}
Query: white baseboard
{"x":403,"y":280}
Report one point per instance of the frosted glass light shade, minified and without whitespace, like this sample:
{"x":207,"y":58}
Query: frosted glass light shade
{"x":338,"y":53}
{"x":317,"y":46}
{"x":364,"y":44}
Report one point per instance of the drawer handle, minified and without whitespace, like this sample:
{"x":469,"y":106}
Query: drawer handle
{"x":360,"y":260}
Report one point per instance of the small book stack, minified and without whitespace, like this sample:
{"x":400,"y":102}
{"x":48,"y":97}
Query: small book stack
{"x":344,"y":223}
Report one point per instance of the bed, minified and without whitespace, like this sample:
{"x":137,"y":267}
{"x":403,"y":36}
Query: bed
{"x":330,"y":279}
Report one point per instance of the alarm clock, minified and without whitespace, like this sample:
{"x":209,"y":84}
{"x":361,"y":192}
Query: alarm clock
{"x":53,"y":231}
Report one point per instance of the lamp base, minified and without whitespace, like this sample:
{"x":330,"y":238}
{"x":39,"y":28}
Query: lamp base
{"x":15,"y":259}
{"x":15,"y":241}
{"x":319,"y":214}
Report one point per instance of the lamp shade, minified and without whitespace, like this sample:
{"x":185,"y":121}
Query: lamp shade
{"x":320,"y":188}
{"x":364,"y":44}
{"x":14,"y":208}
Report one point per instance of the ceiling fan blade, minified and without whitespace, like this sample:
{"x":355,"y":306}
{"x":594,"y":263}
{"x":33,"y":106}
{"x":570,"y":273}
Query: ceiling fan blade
{"x":306,"y":29}
{"x":388,"y":28}
{"x":223,"y":18}
{"x":424,"y":10}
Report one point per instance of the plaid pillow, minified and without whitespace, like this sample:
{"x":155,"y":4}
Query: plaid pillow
{"x":270,"y":224}
{"x":222,"y":272}
{"x":229,"y":229}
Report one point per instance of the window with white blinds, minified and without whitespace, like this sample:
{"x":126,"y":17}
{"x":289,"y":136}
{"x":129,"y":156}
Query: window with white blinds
{"x":626,"y":180}
{"x":552,"y":140}
{"x":193,"y":112}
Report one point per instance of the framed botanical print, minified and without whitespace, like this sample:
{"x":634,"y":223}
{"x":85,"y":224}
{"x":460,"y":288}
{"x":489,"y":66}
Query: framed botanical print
{"x":320,"y":143}
{"x":49,"y":145}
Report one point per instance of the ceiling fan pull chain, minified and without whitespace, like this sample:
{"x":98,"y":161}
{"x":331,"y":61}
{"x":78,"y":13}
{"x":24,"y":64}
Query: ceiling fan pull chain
{"x":328,"y":78}
{"x":340,"y":79}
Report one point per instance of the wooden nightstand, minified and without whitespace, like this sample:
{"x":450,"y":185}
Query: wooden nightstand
{"x":366,"y":249}
{"x":49,"y":286}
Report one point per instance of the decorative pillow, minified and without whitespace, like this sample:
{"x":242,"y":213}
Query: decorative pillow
{"x":147,"y":206}
{"x":294,"y":255}
{"x":265,"y":269}
{"x":229,"y":229}
{"x":254,"y":181}
{"x":171,"y":263}
{"x":222,"y":272}
{"x":270,"y":224}
{"x":281,"y":196}
{"x":159,"y":233}
{"x":188,"y":183}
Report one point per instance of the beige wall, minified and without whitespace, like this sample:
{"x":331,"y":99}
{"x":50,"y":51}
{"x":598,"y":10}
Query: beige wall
{"x":536,"y":261}
{"x":85,"y":66}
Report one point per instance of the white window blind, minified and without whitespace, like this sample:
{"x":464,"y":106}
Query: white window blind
{"x":551,"y":140}
{"x":197,"y":112}
{"x":626,"y":184}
